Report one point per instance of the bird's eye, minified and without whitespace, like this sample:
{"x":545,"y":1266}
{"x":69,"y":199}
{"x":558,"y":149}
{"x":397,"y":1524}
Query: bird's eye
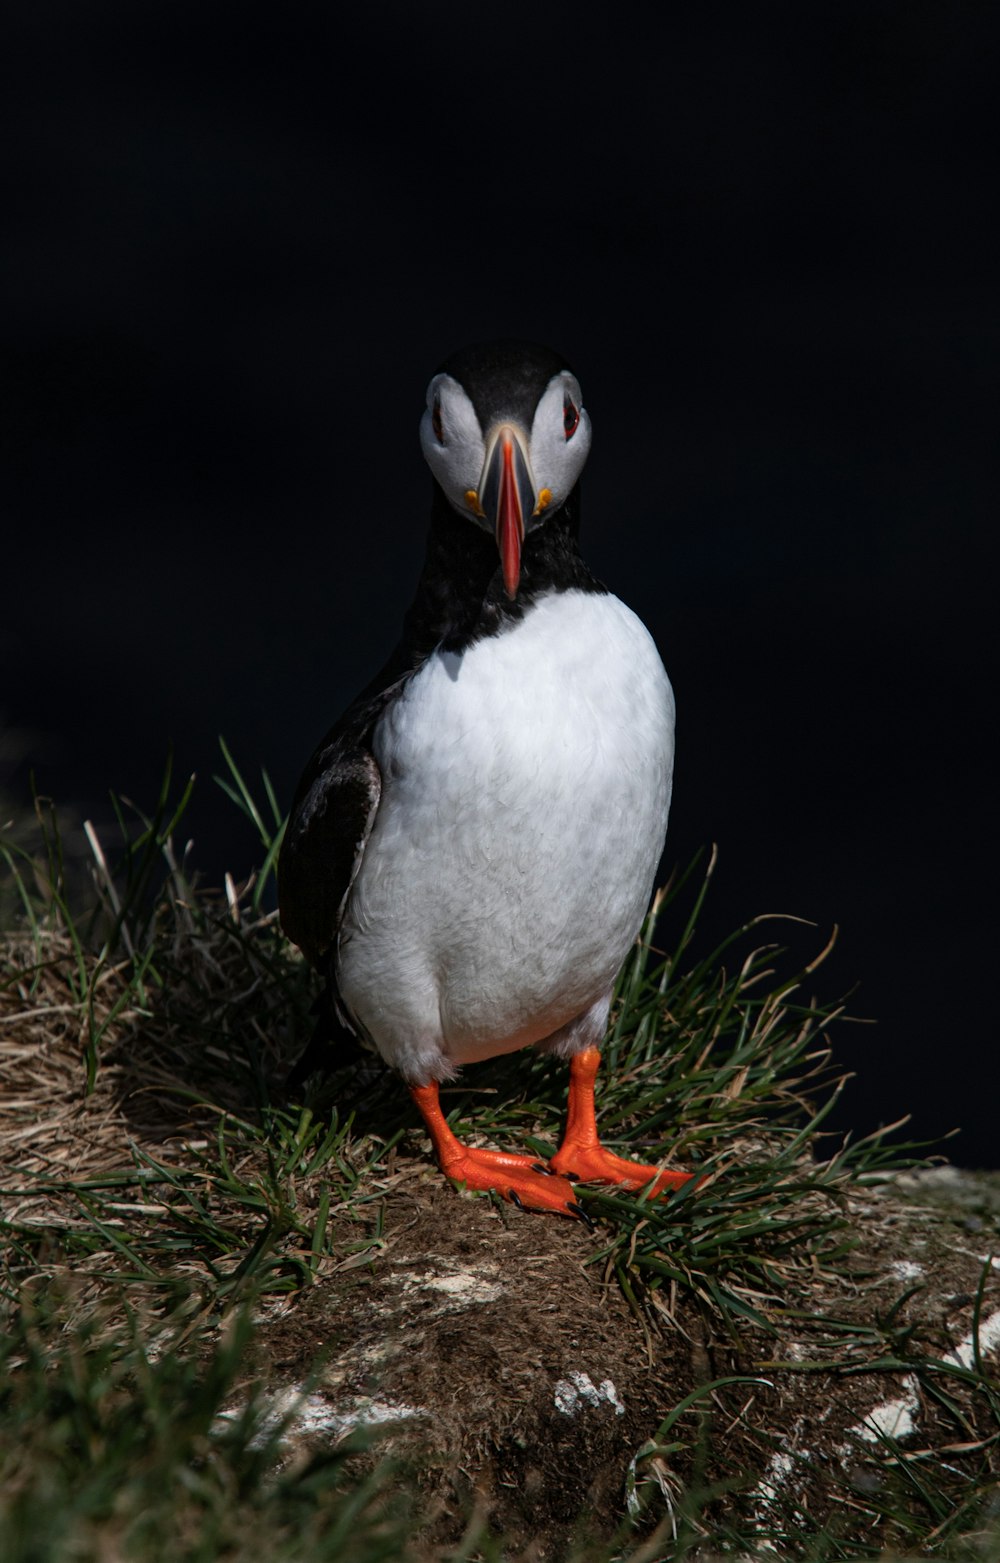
{"x":436,"y":423}
{"x":571,"y":417}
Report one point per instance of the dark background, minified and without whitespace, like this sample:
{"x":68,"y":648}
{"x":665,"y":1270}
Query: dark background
{"x":238,"y":242}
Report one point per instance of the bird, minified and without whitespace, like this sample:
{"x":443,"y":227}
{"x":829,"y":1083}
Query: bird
{"x":471,"y":849}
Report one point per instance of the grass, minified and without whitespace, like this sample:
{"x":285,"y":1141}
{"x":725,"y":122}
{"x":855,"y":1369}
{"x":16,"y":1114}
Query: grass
{"x":163,"y":1189}
{"x":119,"y":1439}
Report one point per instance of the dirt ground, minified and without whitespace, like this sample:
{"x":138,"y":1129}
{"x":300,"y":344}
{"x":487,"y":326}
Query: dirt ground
{"x":512,"y":1377}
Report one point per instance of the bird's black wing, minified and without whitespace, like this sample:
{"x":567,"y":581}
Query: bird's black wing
{"x":327,"y":829}
{"x":331,"y":819}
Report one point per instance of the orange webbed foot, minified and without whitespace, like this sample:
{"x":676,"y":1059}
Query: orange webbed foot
{"x":594,"y":1164}
{"x":521,"y":1179}
{"x":581,"y":1154}
{"x":515,"y":1178}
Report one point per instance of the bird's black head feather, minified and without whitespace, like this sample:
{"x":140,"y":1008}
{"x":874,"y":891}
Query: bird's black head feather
{"x":504,"y":379}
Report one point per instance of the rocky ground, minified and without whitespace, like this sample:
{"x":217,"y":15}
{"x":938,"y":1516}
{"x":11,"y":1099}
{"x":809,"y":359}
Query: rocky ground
{"x":511,"y":1375}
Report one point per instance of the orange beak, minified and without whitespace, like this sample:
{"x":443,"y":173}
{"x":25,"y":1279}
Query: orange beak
{"x":508,"y":497}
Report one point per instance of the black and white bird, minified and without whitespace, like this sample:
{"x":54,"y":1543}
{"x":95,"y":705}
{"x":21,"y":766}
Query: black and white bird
{"x":472,"y":847}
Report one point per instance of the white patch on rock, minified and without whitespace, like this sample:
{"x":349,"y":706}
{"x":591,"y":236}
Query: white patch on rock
{"x":896,"y":1418}
{"x":964,"y":1355}
{"x":465,"y":1287}
{"x":775,"y":1478}
{"x":572,"y":1394}
{"x":370,"y":1413}
{"x":906,"y":1270}
{"x":780,"y":1475}
{"x":309,"y":1416}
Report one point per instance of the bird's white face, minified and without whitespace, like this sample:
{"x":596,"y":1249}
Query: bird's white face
{"x":505,"y":477}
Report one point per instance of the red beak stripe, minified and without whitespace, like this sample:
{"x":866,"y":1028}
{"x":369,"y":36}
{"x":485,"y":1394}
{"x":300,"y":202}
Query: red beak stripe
{"x":510,"y":521}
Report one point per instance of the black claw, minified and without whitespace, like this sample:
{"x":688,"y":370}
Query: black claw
{"x":542,"y":1166}
{"x":572,"y":1177}
{"x":578,"y":1210}
{"x":512,"y":1196}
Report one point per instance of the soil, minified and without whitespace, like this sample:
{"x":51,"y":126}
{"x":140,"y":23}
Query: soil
{"x":523,"y":1379}
{"x":515,"y":1381}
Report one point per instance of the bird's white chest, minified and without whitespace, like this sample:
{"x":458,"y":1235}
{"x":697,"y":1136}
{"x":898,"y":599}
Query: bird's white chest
{"x":526,"y":784}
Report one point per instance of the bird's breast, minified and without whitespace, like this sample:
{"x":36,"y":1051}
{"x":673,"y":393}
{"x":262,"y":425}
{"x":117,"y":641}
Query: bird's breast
{"x":526,"y":783}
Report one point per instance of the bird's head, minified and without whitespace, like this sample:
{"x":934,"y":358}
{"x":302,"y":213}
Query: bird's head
{"x":505,"y":434}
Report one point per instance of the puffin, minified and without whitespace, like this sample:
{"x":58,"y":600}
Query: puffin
{"x":471,"y":849}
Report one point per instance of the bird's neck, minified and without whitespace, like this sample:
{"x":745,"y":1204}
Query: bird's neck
{"x":461,"y":597}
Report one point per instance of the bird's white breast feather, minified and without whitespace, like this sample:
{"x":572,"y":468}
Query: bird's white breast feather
{"x":526,"y":784}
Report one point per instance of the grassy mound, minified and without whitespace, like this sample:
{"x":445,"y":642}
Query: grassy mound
{"x":244,"y":1321}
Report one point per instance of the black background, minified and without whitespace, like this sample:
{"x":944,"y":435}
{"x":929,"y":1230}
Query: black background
{"x":238,"y":242}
